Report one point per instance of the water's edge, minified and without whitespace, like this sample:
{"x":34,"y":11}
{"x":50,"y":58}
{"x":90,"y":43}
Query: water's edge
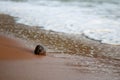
{"x":97,"y":19}
{"x":83,"y":54}
{"x":66,"y":43}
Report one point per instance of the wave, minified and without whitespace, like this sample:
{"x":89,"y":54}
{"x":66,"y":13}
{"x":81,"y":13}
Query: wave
{"x":69,"y":19}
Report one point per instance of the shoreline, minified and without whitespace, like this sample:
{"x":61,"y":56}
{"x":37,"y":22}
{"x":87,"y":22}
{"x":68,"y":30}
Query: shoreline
{"x":64,"y":43}
{"x":17,"y":61}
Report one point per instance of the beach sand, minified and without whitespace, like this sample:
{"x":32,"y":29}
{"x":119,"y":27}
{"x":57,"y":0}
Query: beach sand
{"x":10,"y":50}
{"x":66,"y":43}
{"x":18,"y":62}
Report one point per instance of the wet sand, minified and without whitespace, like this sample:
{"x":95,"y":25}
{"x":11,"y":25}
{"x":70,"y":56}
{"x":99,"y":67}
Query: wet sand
{"x":18,"y":63}
{"x":11,"y":50}
{"x":66,"y":43}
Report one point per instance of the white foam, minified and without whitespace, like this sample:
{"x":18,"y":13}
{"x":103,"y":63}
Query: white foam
{"x":68,"y":19}
{"x":104,"y":35}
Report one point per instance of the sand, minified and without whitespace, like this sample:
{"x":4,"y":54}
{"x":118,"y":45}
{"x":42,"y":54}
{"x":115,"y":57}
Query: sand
{"x":67,"y":43}
{"x":19,"y":63}
{"x":10,"y":50}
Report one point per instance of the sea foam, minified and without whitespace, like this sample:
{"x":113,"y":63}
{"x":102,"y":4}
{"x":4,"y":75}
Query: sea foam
{"x":94,"y":21}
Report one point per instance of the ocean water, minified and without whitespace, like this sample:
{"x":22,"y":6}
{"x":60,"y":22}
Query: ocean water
{"x":96,"y":19}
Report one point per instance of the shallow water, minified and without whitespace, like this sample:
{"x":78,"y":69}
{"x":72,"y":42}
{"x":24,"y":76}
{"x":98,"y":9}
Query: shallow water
{"x":96,"y":19}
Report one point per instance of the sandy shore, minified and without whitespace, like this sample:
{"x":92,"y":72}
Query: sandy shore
{"x":11,"y":50}
{"x":67,"y":43}
{"x":19,"y":63}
